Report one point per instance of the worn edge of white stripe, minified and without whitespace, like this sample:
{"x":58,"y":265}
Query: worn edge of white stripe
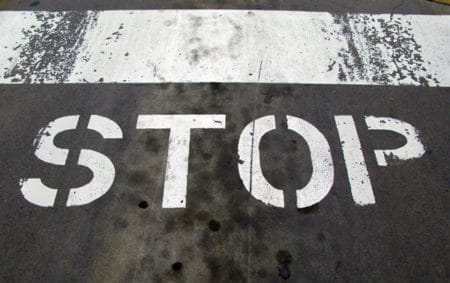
{"x":229,"y":46}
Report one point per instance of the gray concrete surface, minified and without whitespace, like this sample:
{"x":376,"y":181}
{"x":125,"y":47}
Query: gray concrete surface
{"x":224,"y":234}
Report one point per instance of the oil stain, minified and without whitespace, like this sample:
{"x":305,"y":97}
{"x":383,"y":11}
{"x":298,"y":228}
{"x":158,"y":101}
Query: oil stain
{"x":143,"y":204}
{"x":137,"y":177}
{"x":225,"y":270}
{"x":120,"y":224}
{"x":152,"y":144}
{"x":214,"y":225}
{"x":284,"y":272}
{"x":309,"y":210}
{"x":284,"y":258}
{"x":177,"y":266}
{"x":321,"y":237}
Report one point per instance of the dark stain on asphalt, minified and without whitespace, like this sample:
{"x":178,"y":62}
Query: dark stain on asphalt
{"x":284,"y":272}
{"x":207,"y":156}
{"x":216,"y":87}
{"x":202,"y":215}
{"x":143,"y":204}
{"x":224,"y":269}
{"x":309,"y":210}
{"x":184,"y":218}
{"x":137,"y":177}
{"x":200,"y":48}
{"x":152,"y":144}
{"x":284,"y":258}
{"x":177,"y":266}
{"x":321,"y":237}
{"x":262,"y":273}
{"x":120,"y":224}
{"x":35,"y":3}
{"x":214,"y":225}
{"x":268,"y":98}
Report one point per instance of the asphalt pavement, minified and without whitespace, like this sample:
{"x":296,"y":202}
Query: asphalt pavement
{"x":227,"y":223}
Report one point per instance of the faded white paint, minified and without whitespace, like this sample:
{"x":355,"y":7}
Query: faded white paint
{"x":105,"y":127}
{"x":149,"y":46}
{"x":249,"y":165}
{"x":175,"y":182}
{"x":103,"y":173}
{"x":358,"y":176}
{"x":33,"y":189}
{"x":413,"y":147}
{"x":322,"y":177}
{"x":45,"y":148}
{"x":37,"y":193}
{"x":250,"y":170}
{"x":12,"y":38}
{"x":101,"y":166}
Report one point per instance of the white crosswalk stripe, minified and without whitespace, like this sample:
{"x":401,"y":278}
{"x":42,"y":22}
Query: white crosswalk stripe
{"x":155,"y":46}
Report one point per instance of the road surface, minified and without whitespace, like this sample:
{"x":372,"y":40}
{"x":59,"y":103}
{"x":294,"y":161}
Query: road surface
{"x":244,"y":142}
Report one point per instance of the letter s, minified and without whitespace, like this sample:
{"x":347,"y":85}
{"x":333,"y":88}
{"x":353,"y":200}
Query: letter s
{"x":101,"y":166}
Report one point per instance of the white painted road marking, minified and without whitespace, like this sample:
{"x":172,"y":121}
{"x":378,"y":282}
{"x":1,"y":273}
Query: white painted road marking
{"x":103,"y":170}
{"x":358,"y":176}
{"x":103,"y":173}
{"x":224,"y":46}
{"x":45,"y":148}
{"x":249,"y":167}
{"x":323,"y":170}
{"x":175,"y":182}
{"x":37,"y":193}
{"x":413,"y":147}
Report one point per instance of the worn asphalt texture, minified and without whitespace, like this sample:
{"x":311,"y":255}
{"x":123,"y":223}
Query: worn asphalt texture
{"x":224,"y":234}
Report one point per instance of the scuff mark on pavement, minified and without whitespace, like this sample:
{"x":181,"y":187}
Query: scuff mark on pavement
{"x":217,"y":46}
{"x":51,"y":48}
{"x":382,"y":50}
{"x":202,"y":28}
{"x":259,"y":71}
